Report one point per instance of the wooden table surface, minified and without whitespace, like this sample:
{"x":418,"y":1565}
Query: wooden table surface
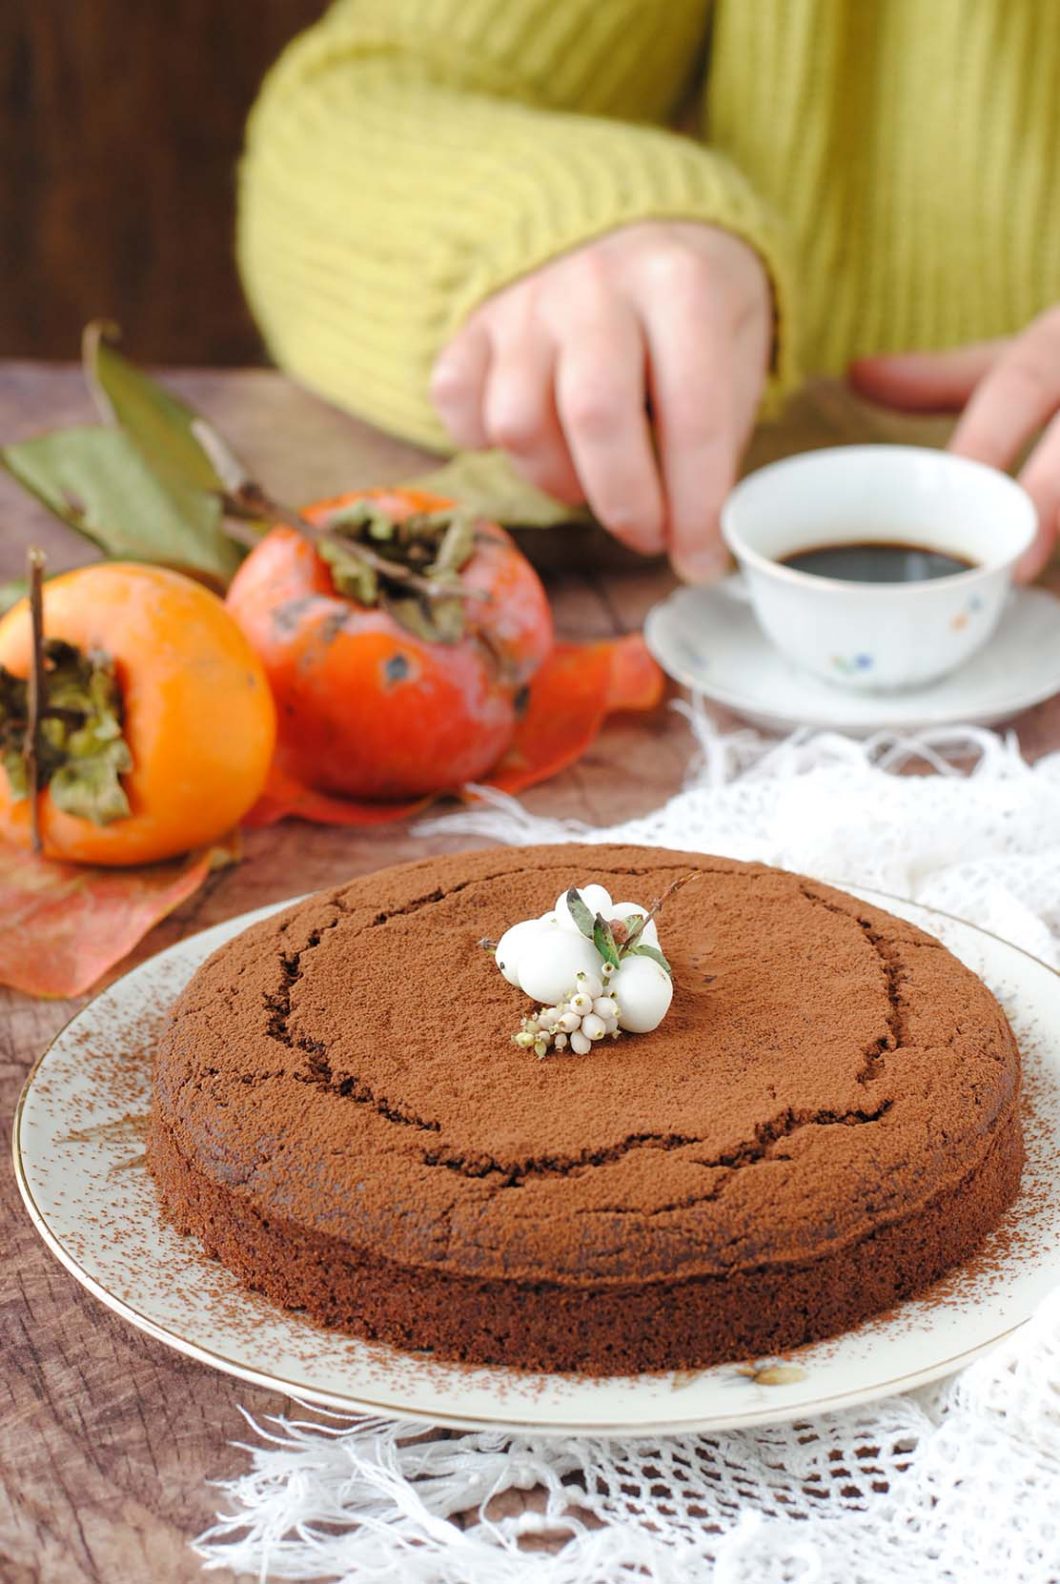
{"x":107,"y":1439}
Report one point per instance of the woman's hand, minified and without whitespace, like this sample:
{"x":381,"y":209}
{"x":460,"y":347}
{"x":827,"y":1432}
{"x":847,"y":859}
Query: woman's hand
{"x":1008,"y":390}
{"x":562,"y":369}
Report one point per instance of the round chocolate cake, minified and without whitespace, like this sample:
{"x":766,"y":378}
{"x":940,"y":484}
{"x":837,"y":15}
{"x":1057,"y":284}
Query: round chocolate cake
{"x":826,"y":1120}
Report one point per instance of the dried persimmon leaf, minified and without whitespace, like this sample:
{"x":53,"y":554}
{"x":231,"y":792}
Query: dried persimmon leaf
{"x":63,"y":925}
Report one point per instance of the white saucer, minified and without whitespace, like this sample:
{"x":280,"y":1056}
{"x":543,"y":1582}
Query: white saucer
{"x":709,"y":640}
{"x":78,"y":1145}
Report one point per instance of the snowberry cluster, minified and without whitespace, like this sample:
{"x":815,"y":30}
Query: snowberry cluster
{"x":577,"y":1021}
{"x":594,"y":966}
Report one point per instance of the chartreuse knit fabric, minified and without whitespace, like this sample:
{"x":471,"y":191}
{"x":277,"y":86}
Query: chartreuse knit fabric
{"x":895,"y":163}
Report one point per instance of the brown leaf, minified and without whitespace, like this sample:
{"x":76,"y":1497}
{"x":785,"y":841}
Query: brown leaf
{"x":569,"y":699}
{"x":285,"y":797}
{"x":578,"y":686}
{"x":62,"y":926}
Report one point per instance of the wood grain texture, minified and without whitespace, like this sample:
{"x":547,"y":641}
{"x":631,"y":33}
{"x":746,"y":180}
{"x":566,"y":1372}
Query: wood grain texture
{"x":107,"y":1440}
{"x":121,"y":127}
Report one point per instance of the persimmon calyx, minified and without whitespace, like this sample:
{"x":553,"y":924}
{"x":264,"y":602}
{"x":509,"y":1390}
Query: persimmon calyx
{"x":414,"y":568}
{"x":82,"y":753}
{"x":407,"y":565}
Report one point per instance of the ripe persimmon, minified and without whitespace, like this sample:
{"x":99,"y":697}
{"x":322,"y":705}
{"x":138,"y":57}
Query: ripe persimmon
{"x":161,"y":725}
{"x":400,"y":667}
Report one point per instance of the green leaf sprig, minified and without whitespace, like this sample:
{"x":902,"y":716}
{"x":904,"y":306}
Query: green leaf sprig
{"x":138,"y":485}
{"x":615,"y":939}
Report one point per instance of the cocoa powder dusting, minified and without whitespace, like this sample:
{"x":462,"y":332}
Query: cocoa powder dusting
{"x":826,"y":1121}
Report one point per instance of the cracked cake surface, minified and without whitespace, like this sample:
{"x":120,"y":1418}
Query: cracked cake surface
{"x":825,"y":1121}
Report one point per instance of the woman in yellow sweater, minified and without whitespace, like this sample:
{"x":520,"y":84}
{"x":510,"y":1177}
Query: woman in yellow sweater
{"x":470,"y":221}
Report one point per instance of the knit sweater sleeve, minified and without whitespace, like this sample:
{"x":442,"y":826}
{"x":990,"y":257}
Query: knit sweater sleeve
{"x":407,"y":158}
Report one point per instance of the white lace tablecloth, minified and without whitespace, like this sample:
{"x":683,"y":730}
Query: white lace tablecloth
{"x":958,"y":1483}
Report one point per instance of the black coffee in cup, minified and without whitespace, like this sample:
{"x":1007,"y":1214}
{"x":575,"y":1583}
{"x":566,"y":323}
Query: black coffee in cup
{"x":876,"y":561}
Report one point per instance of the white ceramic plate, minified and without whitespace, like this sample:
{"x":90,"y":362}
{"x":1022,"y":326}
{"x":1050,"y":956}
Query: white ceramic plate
{"x":79,"y":1161}
{"x":709,"y":640}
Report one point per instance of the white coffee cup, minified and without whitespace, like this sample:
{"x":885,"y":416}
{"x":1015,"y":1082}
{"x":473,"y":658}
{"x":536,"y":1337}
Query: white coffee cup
{"x":878,"y":636}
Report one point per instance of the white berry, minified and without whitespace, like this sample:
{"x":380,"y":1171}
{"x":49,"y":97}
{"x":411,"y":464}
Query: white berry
{"x":581,"y":1003}
{"x":605,"y":1007}
{"x":596,"y":899}
{"x":549,"y":961}
{"x":625,"y":910}
{"x":589,"y":984}
{"x":593,"y":1027}
{"x":643,"y":991}
{"x":568,"y":1022}
{"x":580,"y":1044}
{"x":510,"y":946}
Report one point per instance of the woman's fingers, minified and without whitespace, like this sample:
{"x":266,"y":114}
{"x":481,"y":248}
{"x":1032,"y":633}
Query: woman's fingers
{"x":1015,"y":398}
{"x":520,"y":410}
{"x":690,"y":350}
{"x":458,"y":385}
{"x":1020,"y":394}
{"x":925,"y":381}
{"x":600,"y":399}
{"x":1041,"y":479}
{"x":560,"y":369}
{"x":1008,"y":390}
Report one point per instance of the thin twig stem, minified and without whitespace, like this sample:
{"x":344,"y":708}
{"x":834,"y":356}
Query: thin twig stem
{"x":657,"y":905}
{"x":35,"y":694}
{"x":675,"y":885}
{"x":244,"y":499}
{"x":251,"y":501}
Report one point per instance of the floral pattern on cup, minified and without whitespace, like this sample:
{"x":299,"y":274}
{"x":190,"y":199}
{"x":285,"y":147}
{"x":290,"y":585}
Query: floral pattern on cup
{"x":852,"y":665}
{"x":963,"y":617}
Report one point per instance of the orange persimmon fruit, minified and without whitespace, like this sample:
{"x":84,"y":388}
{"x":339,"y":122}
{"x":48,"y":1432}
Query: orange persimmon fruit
{"x":194,"y":705}
{"x":368,"y":707}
